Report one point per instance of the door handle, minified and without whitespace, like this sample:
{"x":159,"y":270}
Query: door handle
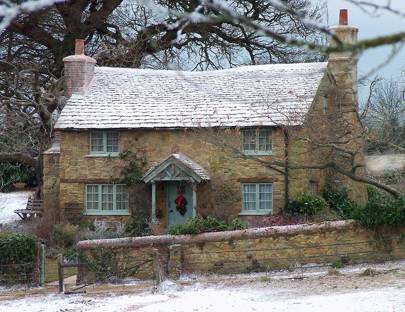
{"x":170,"y":210}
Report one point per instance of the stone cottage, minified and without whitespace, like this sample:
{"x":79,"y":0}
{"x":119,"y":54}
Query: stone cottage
{"x":228,"y":143}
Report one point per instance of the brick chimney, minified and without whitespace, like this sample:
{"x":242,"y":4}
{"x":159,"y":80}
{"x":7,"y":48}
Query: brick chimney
{"x":79,"y":70}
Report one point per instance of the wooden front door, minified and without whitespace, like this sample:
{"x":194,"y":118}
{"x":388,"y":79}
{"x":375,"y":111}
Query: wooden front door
{"x":177,"y":216}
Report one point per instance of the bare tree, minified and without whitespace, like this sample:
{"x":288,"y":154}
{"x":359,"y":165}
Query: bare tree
{"x":127,"y":34}
{"x":385,"y":109}
{"x":193,"y":35}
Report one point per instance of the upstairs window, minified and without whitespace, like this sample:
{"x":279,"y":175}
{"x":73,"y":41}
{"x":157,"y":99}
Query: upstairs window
{"x":104,"y":143}
{"x":256,"y":141}
{"x":257,"y":198}
{"x":107,"y":199}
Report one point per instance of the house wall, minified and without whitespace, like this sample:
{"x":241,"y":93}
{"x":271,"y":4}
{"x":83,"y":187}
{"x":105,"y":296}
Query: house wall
{"x":50,"y":189}
{"x":251,"y":250}
{"x":220,"y":197}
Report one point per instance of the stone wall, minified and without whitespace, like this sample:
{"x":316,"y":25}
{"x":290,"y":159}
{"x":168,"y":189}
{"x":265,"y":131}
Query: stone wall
{"x":254,"y":250}
{"x":221,"y":196}
{"x":51,"y":187}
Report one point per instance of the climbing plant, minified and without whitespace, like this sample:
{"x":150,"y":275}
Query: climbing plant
{"x":134,"y":169}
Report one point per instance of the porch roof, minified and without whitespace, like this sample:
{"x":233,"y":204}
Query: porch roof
{"x":176,"y":167}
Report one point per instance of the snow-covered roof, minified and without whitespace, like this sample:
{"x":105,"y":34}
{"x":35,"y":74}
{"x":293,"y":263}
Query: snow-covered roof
{"x":176,"y":166}
{"x":124,"y":98}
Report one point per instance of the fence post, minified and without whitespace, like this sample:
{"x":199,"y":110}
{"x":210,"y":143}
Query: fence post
{"x":159,"y":274}
{"x":175,"y":261}
{"x":42,"y":265}
{"x":60,"y":273}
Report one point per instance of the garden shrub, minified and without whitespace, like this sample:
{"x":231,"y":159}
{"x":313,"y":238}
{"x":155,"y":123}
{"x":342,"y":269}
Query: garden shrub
{"x":307,"y":205}
{"x":382,"y":210}
{"x":109,"y":265}
{"x":65,"y":235}
{"x":339,"y":201}
{"x":138,"y":226}
{"x":279,"y":219}
{"x":17,"y":257}
{"x":102,"y":230}
{"x":210,"y":224}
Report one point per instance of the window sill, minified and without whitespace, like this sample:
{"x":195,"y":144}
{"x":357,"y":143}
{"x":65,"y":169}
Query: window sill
{"x":107,"y":213}
{"x":111,"y":155}
{"x":255,"y":213}
{"x":250,"y":153}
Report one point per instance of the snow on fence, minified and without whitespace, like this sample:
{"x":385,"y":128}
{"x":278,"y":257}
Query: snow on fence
{"x":252,"y":250}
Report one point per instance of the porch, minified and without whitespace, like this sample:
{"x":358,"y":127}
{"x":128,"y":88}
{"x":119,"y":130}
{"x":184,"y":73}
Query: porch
{"x":174,"y":182}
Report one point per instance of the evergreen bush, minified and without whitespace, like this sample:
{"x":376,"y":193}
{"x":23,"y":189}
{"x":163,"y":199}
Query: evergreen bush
{"x":11,"y":173}
{"x":210,"y":224}
{"x":339,"y":201}
{"x":307,"y":205}
{"x":18,"y":254}
{"x":65,"y":235}
{"x":382,"y":210}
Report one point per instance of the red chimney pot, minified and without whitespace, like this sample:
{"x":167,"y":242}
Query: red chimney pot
{"x":343,"y":17}
{"x":79,"y":46}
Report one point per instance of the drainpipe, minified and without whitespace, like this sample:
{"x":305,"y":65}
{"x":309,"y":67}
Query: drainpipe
{"x":286,"y":169}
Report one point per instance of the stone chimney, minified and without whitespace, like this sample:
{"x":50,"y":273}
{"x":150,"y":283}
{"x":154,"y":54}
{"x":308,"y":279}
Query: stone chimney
{"x":346,"y":126}
{"x":343,"y":65}
{"x":79,"y":70}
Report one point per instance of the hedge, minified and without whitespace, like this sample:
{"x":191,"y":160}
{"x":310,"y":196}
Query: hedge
{"x":18,"y":257}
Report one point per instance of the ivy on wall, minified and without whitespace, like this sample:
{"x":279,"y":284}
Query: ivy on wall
{"x":134,"y":169}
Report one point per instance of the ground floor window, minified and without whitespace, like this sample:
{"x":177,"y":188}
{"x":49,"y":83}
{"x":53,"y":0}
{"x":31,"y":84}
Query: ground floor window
{"x":109,"y":199}
{"x":257,"y":198}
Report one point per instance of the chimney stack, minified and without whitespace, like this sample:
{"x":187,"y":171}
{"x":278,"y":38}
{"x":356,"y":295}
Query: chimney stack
{"x":79,"y":70}
{"x":344,"y":33}
{"x":343,"y":64}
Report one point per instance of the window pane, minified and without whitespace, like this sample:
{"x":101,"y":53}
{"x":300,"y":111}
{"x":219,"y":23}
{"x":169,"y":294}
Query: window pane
{"x":249,"y":139}
{"x":264,"y":139}
{"x":249,"y":196}
{"x":265,"y":196}
{"x":92,"y":197}
{"x":107,"y":197}
{"x":121,"y":197}
{"x":112,"y":142}
{"x":96,"y":142}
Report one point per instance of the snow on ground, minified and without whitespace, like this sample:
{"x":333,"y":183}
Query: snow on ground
{"x":217,"y":299}
{"x":10,"y":202}
{"x":383,"y":292}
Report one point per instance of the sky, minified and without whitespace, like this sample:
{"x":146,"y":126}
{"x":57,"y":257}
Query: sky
{"x":372,"y":25}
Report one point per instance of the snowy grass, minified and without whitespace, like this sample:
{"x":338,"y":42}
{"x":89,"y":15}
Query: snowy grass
{"x":215,"y":299}
{"x":10,"y":202}
{"x":251,"y":292}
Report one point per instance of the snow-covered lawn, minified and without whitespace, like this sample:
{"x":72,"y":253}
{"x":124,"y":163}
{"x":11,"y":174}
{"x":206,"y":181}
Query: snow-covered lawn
{"x":383,"y":292}
{"x":219,"y":300}
{"x":10,"y":202}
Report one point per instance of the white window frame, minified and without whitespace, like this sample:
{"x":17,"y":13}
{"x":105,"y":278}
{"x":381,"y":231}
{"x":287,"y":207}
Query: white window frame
{"x":104,"y":152}
{"x":257,"y":150}
{"x":256,"y":211}
{"x":100,"y":211}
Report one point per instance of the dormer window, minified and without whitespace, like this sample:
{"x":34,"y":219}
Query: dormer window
{"x":256,"y":141}
{"x":104,"y":143}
